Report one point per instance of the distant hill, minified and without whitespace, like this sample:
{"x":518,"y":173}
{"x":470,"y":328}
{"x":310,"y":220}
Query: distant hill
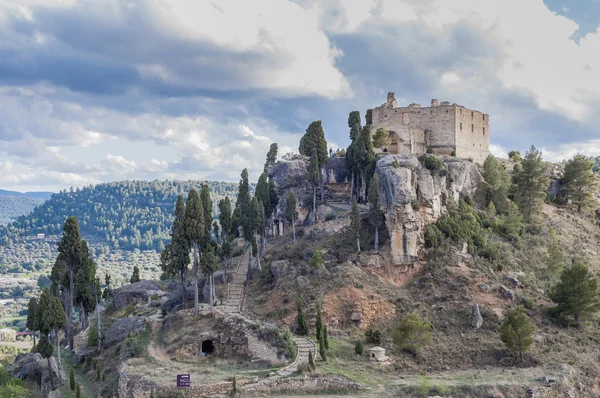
{"x":123,"y":215}
{"x":35,"y":195}
{"x":12,"y":207}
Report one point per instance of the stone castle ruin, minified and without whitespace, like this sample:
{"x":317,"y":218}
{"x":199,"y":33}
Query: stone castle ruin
{"x":448,"y":129}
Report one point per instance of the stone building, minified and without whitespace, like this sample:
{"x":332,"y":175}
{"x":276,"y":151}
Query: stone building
{"x":7,"y":335}
{"x":377,"y":354}
{"x":448,"y":129}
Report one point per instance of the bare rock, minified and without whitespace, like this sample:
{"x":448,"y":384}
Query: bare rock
{"x":136,"y":293}
{"x":303,"y":282}
{"x":476,"y":318}
{"x":278,"y":268}
{"x":484,"y":288}
{"x":37,"y":370}
{"x":121,"y":329}
{"x":507,"y":293}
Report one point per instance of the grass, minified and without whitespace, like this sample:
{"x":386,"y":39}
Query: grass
{"x":87,"y":386}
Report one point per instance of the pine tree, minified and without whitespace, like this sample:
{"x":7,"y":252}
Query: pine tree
{"x":319,"y":322}
{"x":512,"y":223}
{"x":322,"y":350}
{"x":193,"y":227}
{"x":531,"y":185}
{"x":579,"y":180}
{"x":302,"y":329}
{"x":555,"y":261}
{"x":290,"y":212}
{"x":72,"y":380}
{"x":381,"y":138}
{"x":413,"y":333}
{"x":313,"y":143}
{"x":516,"y":331}
{"x":576,"y":294}
{"x":314,"y":178}
{"x":31,"y":321}
{"x":499,"y":183}
{"x":376,"y":215}
{"x":135,"y":276}
{"x":175,"y":258}
{"x":355,"y":223}
{"x":271,"y":157}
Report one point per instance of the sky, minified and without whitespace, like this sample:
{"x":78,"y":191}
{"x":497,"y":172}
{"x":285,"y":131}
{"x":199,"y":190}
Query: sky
{"x":171,"y":89}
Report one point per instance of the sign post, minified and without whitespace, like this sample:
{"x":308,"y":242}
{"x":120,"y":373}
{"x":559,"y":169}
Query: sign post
{"x":183,"y":381}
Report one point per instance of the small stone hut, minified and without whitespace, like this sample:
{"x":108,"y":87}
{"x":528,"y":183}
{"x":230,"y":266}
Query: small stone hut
{"x":7,"y":335}
{"x":377,"y":354}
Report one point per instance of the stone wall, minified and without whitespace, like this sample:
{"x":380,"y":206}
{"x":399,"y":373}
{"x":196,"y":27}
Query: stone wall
{"x":472,"y":134}
{"x":303,"y":384}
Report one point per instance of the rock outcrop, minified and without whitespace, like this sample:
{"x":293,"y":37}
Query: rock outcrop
{"x":136,"y":293}
{"x":121,"y":328}
{"x":476,"y":318}
{"x":39,"y":372}
{"x":414,"y":196}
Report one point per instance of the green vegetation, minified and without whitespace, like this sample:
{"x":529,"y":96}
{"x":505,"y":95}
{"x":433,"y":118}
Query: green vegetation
{"x":311,"y":360}
{"x":136,"y":344}
{"x":358,"y":348}
{"x":271,"y":157}
{"x":499,"y":183}
{"x":301,"y":325}
{"x":314,"y":145}
{"x":375,"y":213}
{"x":373,"y":336}
{"x":579,"y":181}
{"x":11,"y":387}
{"x":72,"y":379}
{"x":135,"y":276}
{"x":290,"y":212}
{"x":13,"y":207}
{"x":317,"y":260}
{"x":531,"y":185}
{"x":516,"y":331}
{"x":576,"y":294}
{"x":381,"y":138}
{"x":433,"y":164}
{"x":355,"y":223}
{"x":412,"y":333}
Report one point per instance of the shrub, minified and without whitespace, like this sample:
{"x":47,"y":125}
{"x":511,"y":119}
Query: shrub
{"x":311,"y":360}
{"x":423,"y":387}
{"x":72,"y":380}
{"x":317,"y":260}
{"x":453,"y":153}
{"x":92,"y":337}
{"x":136,"y":346}
{"x":432,"y":163}
{"x":500,"y":267}
{"x":415,"y":205}
{"x":528,"y":304}
{"x":358,"y":348}
{"x":395,"y":164}
{"x":430,"y":150}
{"x":516,"y":331}
{"x":78,"y":393}
{"x":576,"y":294}
{"x":412,"y":333}
{"x":373,"y":336}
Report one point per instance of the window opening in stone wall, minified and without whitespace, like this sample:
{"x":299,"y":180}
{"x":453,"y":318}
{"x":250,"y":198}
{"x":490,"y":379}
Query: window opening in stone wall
{"x":483,"y":116}
{"x":207,"y":347}
{"x":461,"y":111}
{"x":472,"y":128}
{"x":471,"y":113}
{"x":461,"y":127}
{"x":484,"y":131}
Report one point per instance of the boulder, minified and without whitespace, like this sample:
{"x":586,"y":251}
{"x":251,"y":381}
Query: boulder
{"x":507,"y":293}
{"x":303,"y":282}
{"x":513,"y":280}
{"x":278,"y":268}
{"x":121,"y":329}
{"x":288,"y":174}
{"x":335,"y":171}
{"x":484,"y":288}
{"x":37,"y":370}
{"x":476,"y":318}
{"x":136,"y":293}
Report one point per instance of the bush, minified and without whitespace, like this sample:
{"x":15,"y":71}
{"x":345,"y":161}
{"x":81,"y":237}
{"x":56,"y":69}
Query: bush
{"x":528,"y":304}
{"x":358,"y":348}
{"x":317,"y":260}
{"x":415,"y":205}
{"x":453,"y":153}
{"x":92,"y":336}
{"x":395,"y":164}
{"x":373,"y":336}
{"x":500,"y":267}
{"x":430,"y":150}
{"x":412,"y":333}
{"x":423,"y":387}
{"x":432,"y":163}
{"x":136,"y":346}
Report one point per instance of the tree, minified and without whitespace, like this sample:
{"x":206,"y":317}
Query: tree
{"x":512,"y":223}
{"x":135,"y":277}
{"x":316,"y":260}
{"x":364,"y":158}
{"x":355,"y":223}
{"x":31,"y":321}
{"x":358,"y":347}
{"x":271,"y":157}
{"x":50,"y":318}
{"x":314,"y":178}
{"x":376,"y":215}
{"x":78,"y":393}
{"x":499,"y":183}
{"x":412,"y":333}
{"x":381,"y":138}
{"x":325,"y":337}
{"x":107,"y":292}
{"x":251,"y":224}
{"x":531,"y":185}
{"x":555,"y":261}
{"x":242,"y":203}
{"x":354,"y":124}
{"x":290,"y":212}
{"x":579,"y":180}
{"x":44,"y":347}
{"x":234,"y":386}
{"x":516,"y":331}
{"x":225,"y":217}
{"x":576,"y":294}
{"x":313,"y":143}
{"x":267,"y":196}
{"x":209,"y":266}
{"x":193,"y":227}
{"x":322,"y":350}
{"x":515,"y":156}
{"x":311,"y":360}
{"x":207,"y":208}
{"x":302,"y":327}
{"x":72,"y":380}
{"x":319,"y":322}
{"x":175,"y":258}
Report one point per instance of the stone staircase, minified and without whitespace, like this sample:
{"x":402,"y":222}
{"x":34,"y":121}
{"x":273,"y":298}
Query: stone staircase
{"x":235,"y":288}
{"x":304,"y":345}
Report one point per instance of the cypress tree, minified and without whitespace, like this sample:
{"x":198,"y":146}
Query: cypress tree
{"x":210,"y":265}
{"x":325,"y":337}
{"x":314,"y":178}
{"x":85,"y":277}
{"x":354,"y":124}
{"x":319,"y":322}
{"x":193,"y":227}
{"x":302,"y":329}
{"x":208,"y":262}
{"x":311,"y":360}
{"x":531,"y":185}
{"x":271,"y":157}
{"x":579,"y":180}
{"x":358,"y":347}
{"x":375,"y":207}
{"x":175,"y":258}
{"x":78,"y":393}
{"x":72,"y":380}
{"x":313,"y":143}
{"x":225,"y":217}
{"x":135,"y":276}
{"x":207,"y":208}
{"x":355,"y":223}
{"x":31,"y":321}
{"x":322,"y":350}
{"x":290,"y":212}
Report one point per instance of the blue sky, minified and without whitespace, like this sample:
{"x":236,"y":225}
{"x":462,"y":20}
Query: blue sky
{"x":132,"y":89}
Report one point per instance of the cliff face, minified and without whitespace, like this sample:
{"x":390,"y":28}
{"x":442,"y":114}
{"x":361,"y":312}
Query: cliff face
{"x":411,"y":195}
{"x":414,"y":196}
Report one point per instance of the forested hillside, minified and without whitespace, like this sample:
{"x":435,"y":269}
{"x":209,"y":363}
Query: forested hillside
{"x":12,"y":207}
{"x":123,"y":215}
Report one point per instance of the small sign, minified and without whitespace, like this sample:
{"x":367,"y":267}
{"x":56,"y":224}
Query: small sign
{"x":183,"y":381}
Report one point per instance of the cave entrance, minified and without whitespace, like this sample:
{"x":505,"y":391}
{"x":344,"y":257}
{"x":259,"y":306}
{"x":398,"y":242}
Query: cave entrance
{"x":208,"y":347}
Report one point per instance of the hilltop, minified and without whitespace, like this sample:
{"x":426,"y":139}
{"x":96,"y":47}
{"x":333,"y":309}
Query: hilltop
{"x":13,"y":207}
